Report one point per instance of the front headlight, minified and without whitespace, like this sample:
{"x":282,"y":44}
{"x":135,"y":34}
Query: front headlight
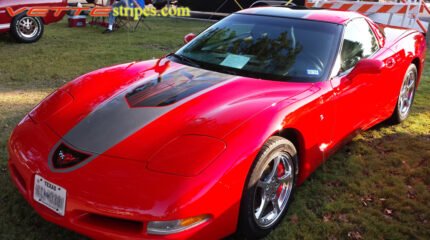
{"x":175,"y":226}
{"x":51,"y":105}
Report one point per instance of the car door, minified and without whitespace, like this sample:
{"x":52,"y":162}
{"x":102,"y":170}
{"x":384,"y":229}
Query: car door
{"x":356,"y":97}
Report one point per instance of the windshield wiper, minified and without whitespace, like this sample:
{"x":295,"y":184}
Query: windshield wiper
{"x":184,"y":59}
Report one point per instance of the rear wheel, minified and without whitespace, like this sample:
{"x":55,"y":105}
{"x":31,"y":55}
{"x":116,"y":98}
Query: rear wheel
{"x":406,"y":96}
{"x":26,"y":29}
{"x":269,"y":189}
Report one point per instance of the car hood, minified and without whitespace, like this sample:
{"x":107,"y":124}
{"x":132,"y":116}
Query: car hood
{"x":116,"y":110}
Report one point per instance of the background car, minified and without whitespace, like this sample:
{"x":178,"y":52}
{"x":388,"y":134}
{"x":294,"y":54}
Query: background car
{"x":228,"y":6}
{"x":23,"y":28}
{"x":213,"y":139}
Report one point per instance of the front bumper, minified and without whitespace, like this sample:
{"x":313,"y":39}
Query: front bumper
{"x":111,"y":198}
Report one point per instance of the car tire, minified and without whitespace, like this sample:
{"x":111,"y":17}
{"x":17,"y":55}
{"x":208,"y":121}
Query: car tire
{"x":257,"y":219}
{"x":25,"y":29}
{"x":406,"y":96}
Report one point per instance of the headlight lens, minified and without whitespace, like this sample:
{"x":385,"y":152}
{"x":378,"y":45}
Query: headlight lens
{"x":51,"y":105}
{"x":175,"y":226}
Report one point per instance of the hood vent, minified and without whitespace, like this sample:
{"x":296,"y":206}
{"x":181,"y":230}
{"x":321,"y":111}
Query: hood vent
{"x":172,"y":88}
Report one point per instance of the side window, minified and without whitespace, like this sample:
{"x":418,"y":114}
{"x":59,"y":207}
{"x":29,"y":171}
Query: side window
{"x":359,"y":42}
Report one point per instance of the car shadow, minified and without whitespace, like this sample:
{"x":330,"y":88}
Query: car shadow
{"x":6,"y":38}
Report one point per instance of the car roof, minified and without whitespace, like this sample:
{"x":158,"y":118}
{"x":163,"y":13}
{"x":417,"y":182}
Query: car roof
{"x":324,"y":15}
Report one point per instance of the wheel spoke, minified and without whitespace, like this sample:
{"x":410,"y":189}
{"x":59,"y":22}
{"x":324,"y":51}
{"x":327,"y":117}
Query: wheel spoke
{"x":287,"y":178}
{"x":262,"y":207}
{"x":275,"y":204}
{"x":403,"y":92}
{"x":401,"y":104}
{"x":274,"y":167}
{"x":411,"y":84}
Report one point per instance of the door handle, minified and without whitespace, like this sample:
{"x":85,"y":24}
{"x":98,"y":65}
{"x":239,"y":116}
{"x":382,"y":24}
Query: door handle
{"x":390,"y":63}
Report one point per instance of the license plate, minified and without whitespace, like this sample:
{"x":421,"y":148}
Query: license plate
{"x":50,"y":195}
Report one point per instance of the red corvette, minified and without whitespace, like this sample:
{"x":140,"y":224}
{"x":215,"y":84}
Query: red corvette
{"x":213,"y":139}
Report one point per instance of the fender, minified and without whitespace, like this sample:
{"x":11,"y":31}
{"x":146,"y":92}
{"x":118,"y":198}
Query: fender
{"x":286,"y":119}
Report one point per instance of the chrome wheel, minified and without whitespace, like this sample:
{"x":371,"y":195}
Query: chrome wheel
{"x":407,"y":94}
{"x":27,"y":27}
{"x":273,"y":190}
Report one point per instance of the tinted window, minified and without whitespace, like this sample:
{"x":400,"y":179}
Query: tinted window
{"x":267,"y":47}
{"x":359,"y":42}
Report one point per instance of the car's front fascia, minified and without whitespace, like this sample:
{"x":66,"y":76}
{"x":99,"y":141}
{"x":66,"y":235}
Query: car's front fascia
{"x":120,"y":197}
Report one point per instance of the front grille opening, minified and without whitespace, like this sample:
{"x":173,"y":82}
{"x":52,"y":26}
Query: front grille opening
{"x":111,"y":224}
{"x":19,"y":178}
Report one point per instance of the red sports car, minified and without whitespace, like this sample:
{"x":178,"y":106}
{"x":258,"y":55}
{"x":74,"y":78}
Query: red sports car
{"x":213,"y":139}
{"x":23,"y":28}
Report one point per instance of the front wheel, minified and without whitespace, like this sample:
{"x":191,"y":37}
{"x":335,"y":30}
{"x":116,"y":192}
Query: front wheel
{"x":406,"y":96}
{"x":26,"y":29}
{"x":269,"y":188}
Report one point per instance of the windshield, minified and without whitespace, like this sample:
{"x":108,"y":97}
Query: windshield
{"x":266,"y":47}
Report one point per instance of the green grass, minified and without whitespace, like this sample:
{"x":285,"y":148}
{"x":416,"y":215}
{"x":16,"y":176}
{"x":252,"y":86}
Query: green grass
{"x":376,"y":187}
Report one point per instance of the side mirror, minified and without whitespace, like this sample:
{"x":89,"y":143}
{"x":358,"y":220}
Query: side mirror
{"x":189,"y":37}
{"x":367,"y":66}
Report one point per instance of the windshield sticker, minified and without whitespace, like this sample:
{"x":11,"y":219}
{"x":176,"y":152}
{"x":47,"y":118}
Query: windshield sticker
{"x":313,"y":72}
{"x":235,"y":61}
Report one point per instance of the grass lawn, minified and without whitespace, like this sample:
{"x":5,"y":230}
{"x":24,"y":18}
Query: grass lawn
{"x":376,"y":187}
